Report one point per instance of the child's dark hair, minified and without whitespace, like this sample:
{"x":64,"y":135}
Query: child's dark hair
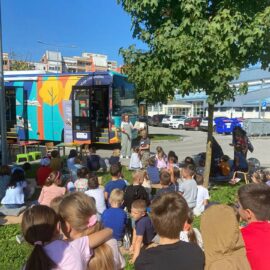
{"x":82,"y":172}
{"x":5,"y":170}
{"x":172,"y":154}
{"x":93,"y":181}
{"x":191,"y":234}
{"x":169,"y":214}
{"x":165,"y":178}
{"x":116,"y":169}
{"x":189,"y":160}
{"x":199,"y":179}
{"x":92,"y":149}
{"x":225,"y":158}
{"x":136,"y":149}
{"x":152,"y":161}
{"x":55,"y":154}
{"x":73,"y":153}
{"x":16,"y":177}
{"x":38,"y":227}
{"x":256,"y":197}
{"x":190,"y":169}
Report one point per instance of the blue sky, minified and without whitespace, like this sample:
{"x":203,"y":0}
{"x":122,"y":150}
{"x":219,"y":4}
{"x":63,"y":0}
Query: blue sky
{"x":99,"y":26}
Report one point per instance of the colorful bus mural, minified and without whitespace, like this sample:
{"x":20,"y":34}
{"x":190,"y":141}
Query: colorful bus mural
{"x":83,"y":108}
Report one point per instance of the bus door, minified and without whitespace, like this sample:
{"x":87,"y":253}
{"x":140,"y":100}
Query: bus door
{"x":100,"y":120}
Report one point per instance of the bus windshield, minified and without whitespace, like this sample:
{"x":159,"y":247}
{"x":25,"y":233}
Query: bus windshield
{"x":123,"y":97}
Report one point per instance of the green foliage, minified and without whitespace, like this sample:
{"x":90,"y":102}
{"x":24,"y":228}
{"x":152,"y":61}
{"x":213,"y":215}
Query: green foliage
{"x":195,"y":45}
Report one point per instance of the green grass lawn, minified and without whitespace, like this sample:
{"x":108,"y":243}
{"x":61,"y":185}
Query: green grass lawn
{"x":14,"y":255}
{"x":163,"y":137}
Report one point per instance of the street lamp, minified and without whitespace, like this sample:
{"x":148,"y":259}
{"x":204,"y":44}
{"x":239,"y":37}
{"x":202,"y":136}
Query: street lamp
{"x":2,"y":101}
{"x":57,"y":46}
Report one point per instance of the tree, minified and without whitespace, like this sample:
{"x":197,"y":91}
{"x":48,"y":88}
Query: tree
{"x":196,"y":45}
{"x":16,"y":63}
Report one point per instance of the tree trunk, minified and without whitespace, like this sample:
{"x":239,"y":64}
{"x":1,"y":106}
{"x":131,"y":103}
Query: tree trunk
{"x":209,"y":145}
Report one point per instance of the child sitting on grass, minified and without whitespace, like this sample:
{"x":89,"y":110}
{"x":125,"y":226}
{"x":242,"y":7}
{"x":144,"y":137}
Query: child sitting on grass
{"x":143,"y":233}
{"x":190,"y":234}
{"x":51,"y":189}
{"x":161,"y":158}
{"x":165,"y":182}
{"x":135,"y":161}
{"x":115,"y":217}
{"x":15,"y":193}
{"x":135,"y":191}
{"x":188,"y":188}
{"x":254,"y":208}
{"x":40,"y":227}
{"x":169,"y":213}
{"x":81,"y":184}
{"x":202,"y":196}
{"x":115,"y":182}
{"x":152,"y":171}
{"x":96,"y":192}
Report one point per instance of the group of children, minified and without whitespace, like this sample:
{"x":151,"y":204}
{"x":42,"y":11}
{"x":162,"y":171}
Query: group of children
{"x":66,"y":224}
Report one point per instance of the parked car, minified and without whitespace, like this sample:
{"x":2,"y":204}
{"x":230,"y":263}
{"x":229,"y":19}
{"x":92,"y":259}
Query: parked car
{"x":192,"y":123}
{"x":179,"y":123}
{"x":176,"y":118}
{"x":166,"y":121}
{"x":157,"y":120}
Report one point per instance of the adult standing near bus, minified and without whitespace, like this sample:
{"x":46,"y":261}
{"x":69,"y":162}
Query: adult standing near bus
{"x":126,"y":129}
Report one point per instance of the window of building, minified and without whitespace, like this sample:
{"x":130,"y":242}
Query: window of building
{"x":198,"y":108}
{"x":223,"y":109}
{"x":249,"y":109}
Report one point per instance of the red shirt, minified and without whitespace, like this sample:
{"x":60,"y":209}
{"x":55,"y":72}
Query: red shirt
{"x":42,"y":174}
{"x":257,"y":240}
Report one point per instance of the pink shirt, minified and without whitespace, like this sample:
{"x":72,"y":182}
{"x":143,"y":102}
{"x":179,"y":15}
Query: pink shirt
{"x":49,"y":193}
{"x":72,"y":255}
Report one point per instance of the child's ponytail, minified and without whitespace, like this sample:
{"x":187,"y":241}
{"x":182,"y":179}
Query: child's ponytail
{"x":191,"y":233}
{"x":39,"y":225}
{"x":39,"y":260}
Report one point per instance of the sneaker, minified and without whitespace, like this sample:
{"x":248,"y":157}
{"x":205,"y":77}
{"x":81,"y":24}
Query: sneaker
{"x":19,"y":239}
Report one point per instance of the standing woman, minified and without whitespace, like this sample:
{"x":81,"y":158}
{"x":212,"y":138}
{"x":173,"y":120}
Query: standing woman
{"x":126,"y":129}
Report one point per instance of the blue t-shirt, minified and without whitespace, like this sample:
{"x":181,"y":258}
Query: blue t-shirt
{"x":153,"y":174}
{"x":170,"y":188}
{"x":113,"y":184}
{"x":116,"y":219}
{"x":144,"y":227}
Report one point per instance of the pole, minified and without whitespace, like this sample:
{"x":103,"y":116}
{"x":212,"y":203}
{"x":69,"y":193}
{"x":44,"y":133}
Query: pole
{"x":2,"y":101}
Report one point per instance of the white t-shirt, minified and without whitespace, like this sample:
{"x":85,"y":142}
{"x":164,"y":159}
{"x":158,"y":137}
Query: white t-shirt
{"x":202,"y":195}
{"x":135,"y":162}
{"x":70,"y":255}
{"x":15,"y":195}
{"x":184,"y":237}
{"x":98,"y":195}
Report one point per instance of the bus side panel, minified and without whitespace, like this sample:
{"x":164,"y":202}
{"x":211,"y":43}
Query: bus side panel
{"x":32,"y":108}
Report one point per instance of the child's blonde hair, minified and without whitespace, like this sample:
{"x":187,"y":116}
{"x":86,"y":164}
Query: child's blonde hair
{"x":77,"y":208}
{"x":117,"y":196}
{"x":53,"y":178}
{"x":139,"y":205}
{"x":159,"y":150}
{"x":138,"y":176}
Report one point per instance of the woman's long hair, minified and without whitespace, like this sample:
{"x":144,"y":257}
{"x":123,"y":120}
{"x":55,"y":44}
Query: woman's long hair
{"x":38,"y":227}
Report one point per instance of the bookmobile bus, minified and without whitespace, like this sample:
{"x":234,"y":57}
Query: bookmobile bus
{"x":82,"y":108}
